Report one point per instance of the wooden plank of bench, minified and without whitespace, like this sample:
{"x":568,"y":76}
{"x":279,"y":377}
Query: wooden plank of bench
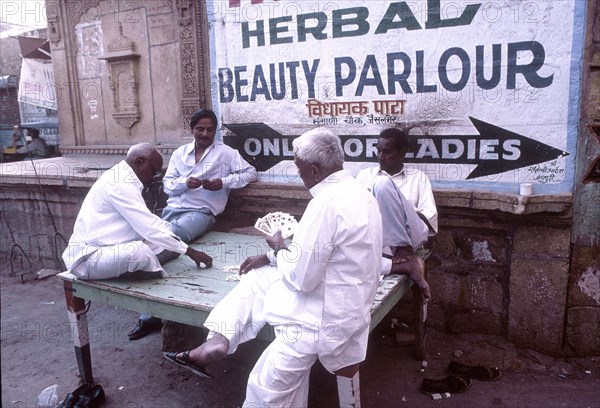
{"x":391,"y":289}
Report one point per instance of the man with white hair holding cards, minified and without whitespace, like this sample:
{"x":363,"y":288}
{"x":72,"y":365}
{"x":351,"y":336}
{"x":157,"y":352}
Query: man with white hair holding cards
{"x":316,"y":292}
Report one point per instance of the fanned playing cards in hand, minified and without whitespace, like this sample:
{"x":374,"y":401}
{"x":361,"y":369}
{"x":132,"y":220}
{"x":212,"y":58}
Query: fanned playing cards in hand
{"x":277,"y":221}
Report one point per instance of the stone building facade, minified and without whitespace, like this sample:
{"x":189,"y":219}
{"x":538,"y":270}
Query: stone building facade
{"x":523,"y":267}
{"x":128,"y":73}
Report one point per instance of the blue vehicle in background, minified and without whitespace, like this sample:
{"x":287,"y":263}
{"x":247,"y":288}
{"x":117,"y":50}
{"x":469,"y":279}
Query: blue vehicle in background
{"x":13,"y":139}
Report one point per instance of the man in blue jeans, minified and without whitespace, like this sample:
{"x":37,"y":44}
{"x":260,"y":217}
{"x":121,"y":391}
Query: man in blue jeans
{"x":198,"y":180}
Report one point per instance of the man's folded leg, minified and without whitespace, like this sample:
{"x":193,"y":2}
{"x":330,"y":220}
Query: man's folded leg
{"x":237,"y":318}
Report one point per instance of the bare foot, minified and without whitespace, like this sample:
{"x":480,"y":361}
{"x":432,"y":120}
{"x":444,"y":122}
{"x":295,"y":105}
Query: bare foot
{"x":213,"y":350}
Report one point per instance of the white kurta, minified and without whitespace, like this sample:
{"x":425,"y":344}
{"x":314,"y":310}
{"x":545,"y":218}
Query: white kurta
{"x":414,"y":185}
{"x":330,"y":274}
{"x":320,"y":296}
{"x":218,"y":161}
{"x":115,"y":232}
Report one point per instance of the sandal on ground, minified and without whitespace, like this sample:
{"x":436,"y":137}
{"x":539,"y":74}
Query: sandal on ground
{"x":72,"y":397}
{"x":480,"y":373}
{"x":92,"y":398}
{"x":185,"y":362}
{"x":451,"y":384}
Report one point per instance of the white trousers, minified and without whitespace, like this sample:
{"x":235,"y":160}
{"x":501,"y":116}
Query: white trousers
{"x":239,"y":316}
{"x":280,"y":377}
{"x":112,"y":261}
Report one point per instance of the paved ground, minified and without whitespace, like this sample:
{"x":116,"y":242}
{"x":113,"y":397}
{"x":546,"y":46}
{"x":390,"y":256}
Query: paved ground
{"x":37,"y":353}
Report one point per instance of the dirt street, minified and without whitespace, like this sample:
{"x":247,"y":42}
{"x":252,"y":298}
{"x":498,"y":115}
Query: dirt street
{"x":37,"y":352}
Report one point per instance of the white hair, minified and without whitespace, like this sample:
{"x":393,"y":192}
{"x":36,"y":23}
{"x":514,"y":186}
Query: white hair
{"x":320,"y":146}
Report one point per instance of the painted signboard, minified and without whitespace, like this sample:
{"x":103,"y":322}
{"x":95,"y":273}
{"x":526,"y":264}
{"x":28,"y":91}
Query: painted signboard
{"x":488,"y":90}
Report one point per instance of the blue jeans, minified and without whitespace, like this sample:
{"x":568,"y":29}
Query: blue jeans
{"x":188,"y":224}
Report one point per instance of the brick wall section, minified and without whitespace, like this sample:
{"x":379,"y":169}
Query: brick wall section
{"x":583,"y":296}
{"x":9,"y":107}
{"x":538,"y":287}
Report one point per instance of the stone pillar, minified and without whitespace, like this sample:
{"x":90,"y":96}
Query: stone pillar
{"x":538,"y":288}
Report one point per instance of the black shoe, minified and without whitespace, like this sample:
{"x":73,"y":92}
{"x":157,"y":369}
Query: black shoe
{"x":72,"y":397}
{"x":452,"y":384}
{"x":144,"y":328}
{"x":92,"y":398}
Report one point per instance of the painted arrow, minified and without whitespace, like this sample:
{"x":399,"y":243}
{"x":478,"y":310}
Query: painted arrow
{"x":494,"y":150}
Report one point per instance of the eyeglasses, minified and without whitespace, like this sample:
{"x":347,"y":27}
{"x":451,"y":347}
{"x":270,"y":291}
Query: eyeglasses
{"x":155,"y":172}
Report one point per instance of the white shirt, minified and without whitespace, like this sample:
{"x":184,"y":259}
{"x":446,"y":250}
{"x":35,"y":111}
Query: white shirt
{"x":114,"y":212}
{"x":218,"y":161}
{"x":414,"y":185}
{"x":330,"y":274}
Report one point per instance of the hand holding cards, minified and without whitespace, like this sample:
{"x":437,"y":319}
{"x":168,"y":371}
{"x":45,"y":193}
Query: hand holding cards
{"x":277,"y":221}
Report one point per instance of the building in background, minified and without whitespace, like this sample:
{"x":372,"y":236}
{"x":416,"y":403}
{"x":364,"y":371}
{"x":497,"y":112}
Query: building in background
{"x":27,"y":83}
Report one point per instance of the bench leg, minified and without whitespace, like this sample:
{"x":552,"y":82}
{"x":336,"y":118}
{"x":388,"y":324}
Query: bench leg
{"x":79,"y":329}
{"x":349,"y":391}
{"x":419,"y":317}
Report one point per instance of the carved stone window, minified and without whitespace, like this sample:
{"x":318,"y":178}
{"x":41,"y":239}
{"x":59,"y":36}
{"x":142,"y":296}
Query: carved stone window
{"x":123,"y":80}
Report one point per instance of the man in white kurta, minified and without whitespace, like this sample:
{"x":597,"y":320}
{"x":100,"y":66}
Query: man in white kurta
{"x":114,"y":232}
{"x":392,"y":146}
{"x":199,"y":178}
{"x":320,"y":306}
{"x":406,"y":203}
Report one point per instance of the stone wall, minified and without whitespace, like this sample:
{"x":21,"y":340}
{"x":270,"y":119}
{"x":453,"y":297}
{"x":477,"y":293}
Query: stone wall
{"x":35,"y":226}
{"x":582,"y":333}
{"x":497,"y":272}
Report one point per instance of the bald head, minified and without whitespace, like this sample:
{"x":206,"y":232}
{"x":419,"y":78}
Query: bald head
{"x":145,"y":161}
{"x":140,"y":150}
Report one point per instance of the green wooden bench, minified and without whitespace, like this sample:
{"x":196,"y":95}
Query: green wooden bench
{"x":188,"y":295}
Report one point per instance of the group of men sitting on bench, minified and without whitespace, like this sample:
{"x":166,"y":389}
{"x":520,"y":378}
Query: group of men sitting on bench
{"x":316,"y":292}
